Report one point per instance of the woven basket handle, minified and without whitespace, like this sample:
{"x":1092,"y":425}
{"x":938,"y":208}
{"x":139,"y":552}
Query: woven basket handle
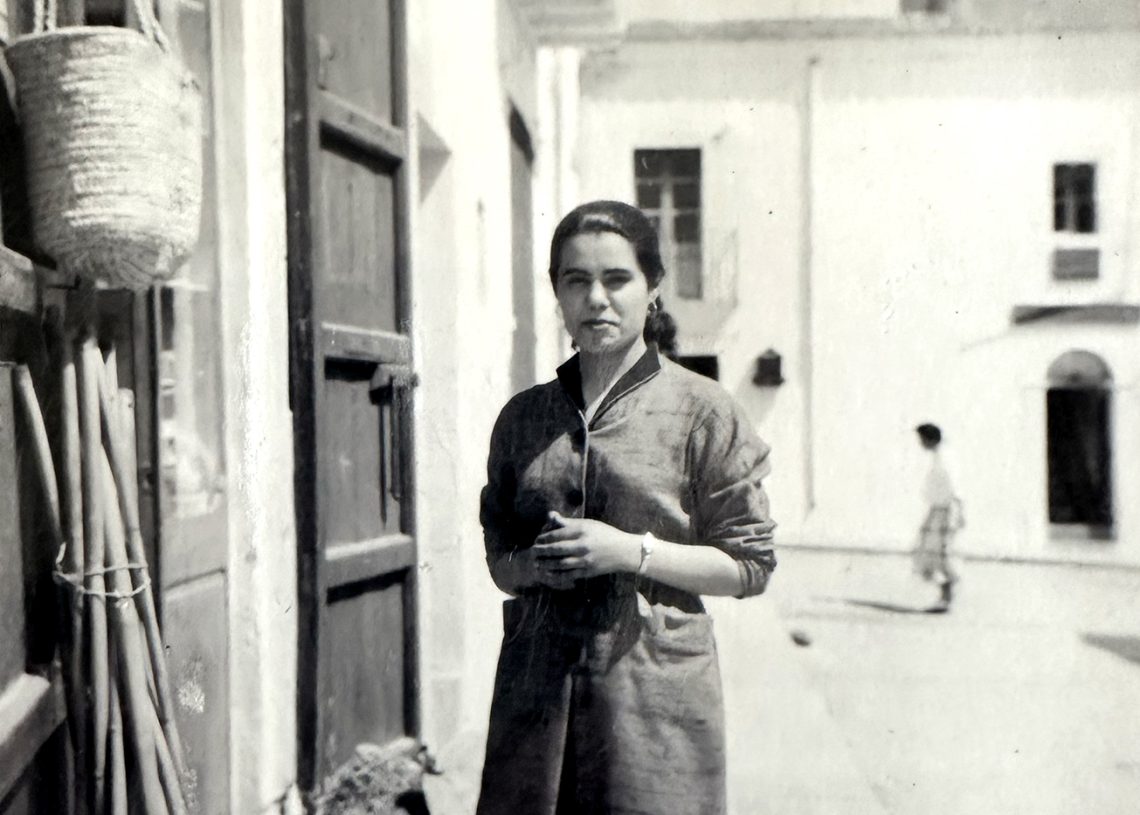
{"x":46,"y":18}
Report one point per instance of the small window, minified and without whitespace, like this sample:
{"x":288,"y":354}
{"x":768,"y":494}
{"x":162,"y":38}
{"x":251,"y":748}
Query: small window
{"x":704,"y":365}
{"x":1074,"y":198}
{"x":669,"y":192}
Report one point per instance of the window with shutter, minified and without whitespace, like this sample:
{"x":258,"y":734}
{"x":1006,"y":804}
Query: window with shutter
{"x":669,"y":192}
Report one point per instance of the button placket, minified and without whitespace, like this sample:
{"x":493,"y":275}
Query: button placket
{"x":581,"y":491}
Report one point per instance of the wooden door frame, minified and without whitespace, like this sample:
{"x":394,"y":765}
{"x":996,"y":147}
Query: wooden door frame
{"x":302,"y":144}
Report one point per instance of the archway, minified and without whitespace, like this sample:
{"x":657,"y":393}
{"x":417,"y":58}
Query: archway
{"x":1078,"y":407}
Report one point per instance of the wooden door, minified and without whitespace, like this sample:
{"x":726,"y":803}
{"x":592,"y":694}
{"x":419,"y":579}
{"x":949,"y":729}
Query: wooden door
{"x":351,"y":373}
{"x":522,"y":255}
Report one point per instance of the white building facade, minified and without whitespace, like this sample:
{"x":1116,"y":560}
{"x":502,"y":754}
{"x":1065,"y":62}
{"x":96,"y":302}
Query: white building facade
{"x":930,"y":216}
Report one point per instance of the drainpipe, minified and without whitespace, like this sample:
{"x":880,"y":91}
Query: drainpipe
{"x":810,"y":93}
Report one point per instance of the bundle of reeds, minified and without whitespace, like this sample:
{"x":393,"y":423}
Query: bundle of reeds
{"x":128,"y":754}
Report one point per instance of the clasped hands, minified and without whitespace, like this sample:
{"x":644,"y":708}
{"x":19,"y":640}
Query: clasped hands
{"x":570,"y":549}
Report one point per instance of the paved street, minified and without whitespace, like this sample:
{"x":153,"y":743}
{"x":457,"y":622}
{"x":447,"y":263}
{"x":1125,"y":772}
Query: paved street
{"x":1024,"y":699}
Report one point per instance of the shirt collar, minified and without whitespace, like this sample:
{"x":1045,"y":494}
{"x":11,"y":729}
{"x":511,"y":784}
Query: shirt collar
{"x":570,"y":376}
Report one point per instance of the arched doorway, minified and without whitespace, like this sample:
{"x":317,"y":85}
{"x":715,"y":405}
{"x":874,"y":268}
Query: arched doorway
{"x":1078,"y":405}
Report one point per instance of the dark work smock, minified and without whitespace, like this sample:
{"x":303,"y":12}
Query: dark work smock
{"x":608,"y":696}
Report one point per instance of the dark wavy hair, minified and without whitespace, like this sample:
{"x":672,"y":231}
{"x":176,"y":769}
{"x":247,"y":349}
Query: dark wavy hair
{"x":619,"y":218}
{"x":661,"y":329}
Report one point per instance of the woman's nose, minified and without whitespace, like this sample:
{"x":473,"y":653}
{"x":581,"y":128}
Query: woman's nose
{"x":597,"y":294}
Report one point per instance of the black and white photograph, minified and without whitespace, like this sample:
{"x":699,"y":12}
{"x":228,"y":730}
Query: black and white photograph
{"x":569,"y":407}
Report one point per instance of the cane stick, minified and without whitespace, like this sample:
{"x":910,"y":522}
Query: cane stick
{"x":123,"y":471}
{"x":171,"y":781}
{"x":125,"y":401}
{"x":66,"y":527}
{"x":45,"y":468}
{"x":116,"y":755}
{"x":111,"y":368}
{"x":124,"y":409}
{"x":71,"y":511}
{"x":93,"y":512}
{"x":129,"y":650}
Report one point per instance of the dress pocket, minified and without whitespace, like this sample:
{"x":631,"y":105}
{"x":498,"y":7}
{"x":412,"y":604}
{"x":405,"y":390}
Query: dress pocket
{"x":682,"y":633}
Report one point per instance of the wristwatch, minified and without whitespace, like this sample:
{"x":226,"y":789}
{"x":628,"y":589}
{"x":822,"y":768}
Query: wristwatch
{"x":647,"y":542}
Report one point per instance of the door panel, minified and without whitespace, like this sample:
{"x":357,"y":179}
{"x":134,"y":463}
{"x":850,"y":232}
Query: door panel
{"x":360,"y":455}
{"x":357,"y":236}
{"x":351,"y":352}
{"x":13,"y":655}
{"x":355,"y":53}
{"x":32,"y":740}
{"x":365,"y":676}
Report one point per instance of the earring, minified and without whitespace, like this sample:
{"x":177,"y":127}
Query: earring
{"x":652,"y":306}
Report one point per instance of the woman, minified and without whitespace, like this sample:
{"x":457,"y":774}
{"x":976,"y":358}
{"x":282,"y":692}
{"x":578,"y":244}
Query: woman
{"x":616,"y":496}
{"x":943,"y":518}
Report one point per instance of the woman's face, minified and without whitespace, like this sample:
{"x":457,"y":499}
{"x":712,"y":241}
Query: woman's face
{"x":602,"y":291}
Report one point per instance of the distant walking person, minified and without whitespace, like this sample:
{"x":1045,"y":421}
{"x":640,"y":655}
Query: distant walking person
{"x":943,"y":518}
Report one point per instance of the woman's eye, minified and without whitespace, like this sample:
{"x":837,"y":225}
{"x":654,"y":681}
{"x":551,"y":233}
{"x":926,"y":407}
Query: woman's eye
{"x":574,"y":281}
{"x":615,"y":280}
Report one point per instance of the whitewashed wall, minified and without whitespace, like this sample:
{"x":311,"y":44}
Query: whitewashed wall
{"x":891,"y":201}
{"x":469,"y":63}
{"x":248,"y":120}
{"x":932,"y":217}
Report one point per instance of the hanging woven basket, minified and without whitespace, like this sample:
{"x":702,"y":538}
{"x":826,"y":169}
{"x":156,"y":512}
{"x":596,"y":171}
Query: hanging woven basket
{"x":113,"y":145}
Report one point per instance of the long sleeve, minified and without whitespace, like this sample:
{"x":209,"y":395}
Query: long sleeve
{"x":497,"y":499}
{"x":730,"y":505}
